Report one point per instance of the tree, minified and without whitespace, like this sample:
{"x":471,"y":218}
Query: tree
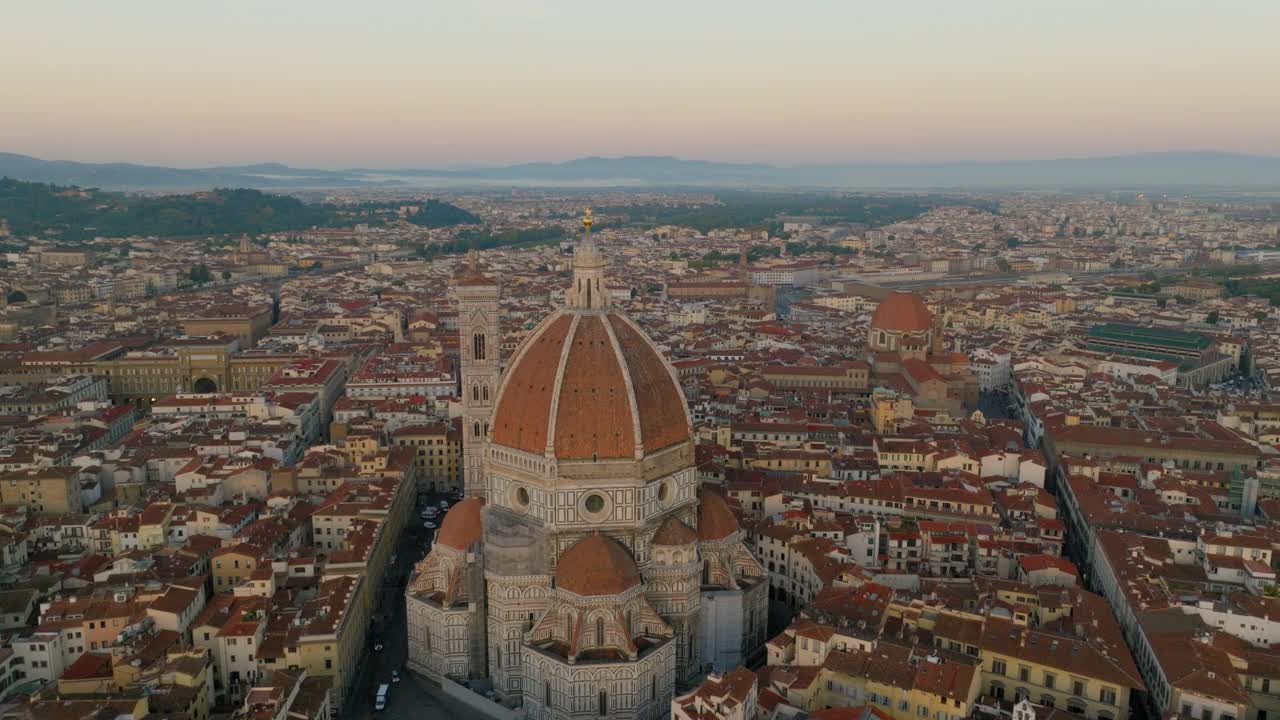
{"x":200,"y":274}
{"x":1212,"y":319}
{"x":15,"y":296}
{"x":226,"y":274}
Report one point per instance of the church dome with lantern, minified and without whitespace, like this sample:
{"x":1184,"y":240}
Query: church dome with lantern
{"x":596,"y":544}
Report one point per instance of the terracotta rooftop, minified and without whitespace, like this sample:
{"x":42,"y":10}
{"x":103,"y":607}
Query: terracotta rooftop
{"x":715,"y":520}
{"x":902,"y":312}
{"x":589,"y":386}
{"x":462,"y":524}
{"x":597,"y":565}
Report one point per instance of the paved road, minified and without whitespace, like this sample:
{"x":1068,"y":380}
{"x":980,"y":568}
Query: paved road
{"x":413,"y":698}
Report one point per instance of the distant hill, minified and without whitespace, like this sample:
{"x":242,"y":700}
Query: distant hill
{"x":128,"y":176}
{"x":648,"y":169}
{"x":1139,"y":171}
{"x":1163,"y":169}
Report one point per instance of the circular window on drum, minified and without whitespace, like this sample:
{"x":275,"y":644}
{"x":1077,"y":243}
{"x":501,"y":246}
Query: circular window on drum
{"x":520,"y":496}
{"x":595,"y":506}
{"x":666,"y":492}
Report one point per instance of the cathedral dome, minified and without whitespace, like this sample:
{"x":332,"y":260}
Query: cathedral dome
{"x":902,"y":312}
{"x":597,"y":565}
{"x":461,"y":527}
{"x":715,"y":520}
{"x":588,"y":384}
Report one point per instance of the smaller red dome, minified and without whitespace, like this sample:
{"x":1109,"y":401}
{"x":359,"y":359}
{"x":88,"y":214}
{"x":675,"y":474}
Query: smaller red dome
{"x":902,"y":312}
{"x":597,"y":565}
{"x":715,"y":520}
{"x":462,"y":526}
{"x":674,"y":532}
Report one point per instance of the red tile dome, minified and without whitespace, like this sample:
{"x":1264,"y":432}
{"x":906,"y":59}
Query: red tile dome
{"x":715,"y":520}
{"x":462,"y":526}
{"x":674,"y":532}
{"x":902,"y":312}
{"x":597,"y":565}
{"x":589,"y":385}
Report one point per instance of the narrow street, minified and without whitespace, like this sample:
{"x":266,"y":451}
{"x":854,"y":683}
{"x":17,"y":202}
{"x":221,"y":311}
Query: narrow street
{"x":413,"y":697}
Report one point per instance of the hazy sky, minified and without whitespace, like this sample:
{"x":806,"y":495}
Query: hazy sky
{"x":385,"y":83}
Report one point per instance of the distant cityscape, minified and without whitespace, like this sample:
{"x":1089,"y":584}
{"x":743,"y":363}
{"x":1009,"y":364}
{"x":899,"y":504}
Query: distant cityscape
{"x":692,"y":450}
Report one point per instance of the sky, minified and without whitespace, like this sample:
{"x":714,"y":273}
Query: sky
{"x":454,"y":83}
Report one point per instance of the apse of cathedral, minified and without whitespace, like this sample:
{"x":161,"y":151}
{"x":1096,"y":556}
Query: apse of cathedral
{"x":586,"y":572}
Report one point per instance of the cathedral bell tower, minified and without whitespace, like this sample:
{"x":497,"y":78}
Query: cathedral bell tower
{"x":479,"y":347}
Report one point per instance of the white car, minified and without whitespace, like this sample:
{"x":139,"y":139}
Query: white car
{"x":429,"y":525}
{"x":395,"y":676}
{"x":444,"y":504}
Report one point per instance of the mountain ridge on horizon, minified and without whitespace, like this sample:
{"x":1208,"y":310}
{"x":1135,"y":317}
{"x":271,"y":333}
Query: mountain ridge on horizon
{"x":1177,"y":168}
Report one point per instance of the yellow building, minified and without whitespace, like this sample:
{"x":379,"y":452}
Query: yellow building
{"x":202,"y":367}
{"x":246,"y":322}
{"x":325,"y":637}
{"x":233,"y":565}
{"x":852,"y":376}
{"x":899,"y":681}
{"x":437,"y":454}
{"x":43,"y":490}
{"x":153,"y":525}
{"x":795,"y":461}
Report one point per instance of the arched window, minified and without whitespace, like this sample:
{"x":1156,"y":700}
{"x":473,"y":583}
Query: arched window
{"x":486,"y":393}
{"x":546,"y":694}
{"x":599,"y":631}
{"x":1047,"y":700}
{"x":477,"y":346}
{"x":475,"y":392}
{"x":497,"y":657}
{"x":475,"y":430}
{"x":653,"y":687}
{"x":604,"y":703}
{"x":486,"y":429}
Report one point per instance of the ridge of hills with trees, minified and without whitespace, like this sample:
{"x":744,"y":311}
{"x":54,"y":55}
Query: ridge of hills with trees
{"x":73,"y":213}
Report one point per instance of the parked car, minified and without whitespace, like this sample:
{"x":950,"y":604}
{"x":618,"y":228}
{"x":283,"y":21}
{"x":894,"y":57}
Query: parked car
{"x":395,"y":676}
